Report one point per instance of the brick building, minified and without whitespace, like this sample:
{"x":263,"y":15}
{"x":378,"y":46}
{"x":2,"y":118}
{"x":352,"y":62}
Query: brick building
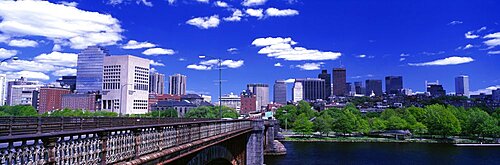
{"x":89,"y":102}
{"x":51,"y":99}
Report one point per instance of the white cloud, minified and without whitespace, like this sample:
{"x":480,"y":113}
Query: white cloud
{"x":182,"y":59}
{"x":310,"y":66}
{"x":361,"y":56}
{"x":203,"y":1}
{"x":58,"y":59}
{"x":489,"y":52}
{"x":259,"y":13}
{"x":65,"y":72}
{"x":29,"y":74}
{"x":402,"y":59}
{"x":404,"y":55}
{"x":291,"y":80}
{"x":155,"y":63}
{"x":493,"y":39}
{"x":281,"y":48}
{"x":133,"y":44}
{"x":23,"y":65}
{"x":4,"y":53}
{"x":56,"y":48}
{"x":63,"y":24}
{"x":158,"y":51}
{"x":253,"y":2}
{"x":117,"y":2}
{"x":23,"y":43}
{"x":481,"y":29}
{"x":278,"y":65}
{"x":455,"y":22}
{"x":469,"y":35}
{"x":485,"y":90}
{"x":277,"y":12}
{"x":72,"y":4}
{"x":221,"y":4}
{"x":237,"y":14}
{"x":446,"y":61}
{"x":433,"y":53}
{"x":468,"y":46}
{"x":170,"y":2}
{"x":232,"y":50}
{"x":199,"y":67}
{"x":205,"y":22}
{"x":232,"y":64}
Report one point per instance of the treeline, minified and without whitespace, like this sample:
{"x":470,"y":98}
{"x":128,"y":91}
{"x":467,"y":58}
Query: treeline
{"x":433,"y":119}
{"x":212,"y":112}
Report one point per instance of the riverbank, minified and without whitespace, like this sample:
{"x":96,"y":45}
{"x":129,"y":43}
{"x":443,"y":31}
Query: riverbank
{"x":374,"y":140}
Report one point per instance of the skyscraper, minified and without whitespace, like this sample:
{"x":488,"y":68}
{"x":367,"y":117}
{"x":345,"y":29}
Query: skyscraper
{"x":89,"y":69}
{"x":156,"y":83}
{"x":261,"y":91}
{"x":462,"y":85}
{"x":313,"y":88}
{"x":374,"y":86}
{"x":3,"y":87}
{"x":358,"y":87}
{"x":297,"y":94}
{"x":339,"y":80}
{"x":280,"y":92}
{"x":328,"y":80}
{"x":393,"y":84}
{"x":435,"y":89}
{"x":177,"y":84}
{"x":126,"y":84}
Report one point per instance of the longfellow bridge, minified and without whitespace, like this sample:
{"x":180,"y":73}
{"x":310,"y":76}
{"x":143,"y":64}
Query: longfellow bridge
{"x":102,"y":140}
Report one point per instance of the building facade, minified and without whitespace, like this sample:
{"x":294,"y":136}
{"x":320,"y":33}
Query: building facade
{"x":3,"y":89}
{"x":358,"y":87}
{"x":435,"y":89}
{"x":248,"y":102}
{"x":88,"y":101}
{"x":495,"y":94}
{"x":51,"y":99}
{"x":89,"y":69}
{"x":279,"y":92}
{"x":297,"y":94}
{"x":462,"y":85}
{"x":339,"y":80}
{"x":261,"y":91}
{"x":68,"y":81}
{"x":374,"y":87}
{"x":126,"y":82}
{"x":231,"y":100}
{"x":328,"y":81}
{"x":313,"y":88}
{"x":24,"y":95}
{"x":393,"y":84}
{"x":177,"y":84}
{"x":21,"y":81}
{"x":156,"y":83}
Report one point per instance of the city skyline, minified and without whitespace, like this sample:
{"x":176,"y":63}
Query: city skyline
{"x":438,"y":39}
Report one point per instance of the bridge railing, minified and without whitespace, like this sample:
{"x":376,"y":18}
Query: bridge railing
{"x":51,"y":140}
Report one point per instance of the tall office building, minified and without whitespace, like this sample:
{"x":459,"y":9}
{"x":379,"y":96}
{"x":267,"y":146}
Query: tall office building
{"x":68,"y":81}
{"x":126,"y":84}
{"x":393,"y":84}
{"x":22,"y":81}
{"x":435,"y":89}
{"x":177,"y":84}
{"x":462,"y":85}
{"x":3,"y":88}
{"x":374,"y":86}
{"x":358,"y":87}
{"x":339,"y":80}
{"x":328,"y":81}
{"x":297,"y":94}
{"x":51,"y":98}
{"x":351,"y":89}
{"x":280,"y":92}
{"x":261,"y":91}
{"x":156,"y":83}
{"x":313,"y":88}
{"x":89,"y":69}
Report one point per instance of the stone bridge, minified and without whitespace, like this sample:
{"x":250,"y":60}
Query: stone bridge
{"x":130,"y":141}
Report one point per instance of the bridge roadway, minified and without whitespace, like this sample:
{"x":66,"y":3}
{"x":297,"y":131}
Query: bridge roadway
{"x":106,"y":140}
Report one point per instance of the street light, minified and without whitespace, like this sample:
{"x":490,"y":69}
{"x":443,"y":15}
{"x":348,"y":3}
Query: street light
{"x":121,"y":96}
{"x":219,"y":63}
{"x":10,"y":58}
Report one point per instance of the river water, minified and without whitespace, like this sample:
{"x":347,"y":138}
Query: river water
{"x":325,"y":153}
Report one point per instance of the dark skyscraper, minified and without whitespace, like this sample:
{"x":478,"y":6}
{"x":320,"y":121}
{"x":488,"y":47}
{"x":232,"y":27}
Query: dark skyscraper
{"x":462,"y":85}
{"x":68,"y":81}
{"x":89,"y":69}
{"x":328,"y":81}
{"x":280,"y":92}
{"x":435,"y":89}
{"x":393,"y":84}
{"x":339,"y":80}
{"x":374,"y":86}
{"x":312,"y":88}
{"x":358,"y":87}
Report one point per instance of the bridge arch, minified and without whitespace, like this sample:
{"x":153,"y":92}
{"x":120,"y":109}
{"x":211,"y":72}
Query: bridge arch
{"x":214,"y":154}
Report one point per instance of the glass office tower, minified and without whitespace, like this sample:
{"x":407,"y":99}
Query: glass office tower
{"x":89,"y":72}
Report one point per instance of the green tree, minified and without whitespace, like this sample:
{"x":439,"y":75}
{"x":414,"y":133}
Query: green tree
{"x":211,"y":112}
{"x":323,"y":124}
{"x":396,"y":123}
{"x":440,"y":121}
{"x":377,"y":124}
{"x":303,"y":125}
{"x":419,"y":128}
{"x":417,"y":112}
{"x":303,"y":107}
{"x":344,"y":121}
{"x":286,"y":115}
{"x":164,"y":113}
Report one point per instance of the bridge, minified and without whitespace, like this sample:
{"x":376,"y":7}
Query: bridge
{"x":130,"y":141}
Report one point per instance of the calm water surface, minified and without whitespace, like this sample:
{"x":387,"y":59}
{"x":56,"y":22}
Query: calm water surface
{"x":319,"y":153}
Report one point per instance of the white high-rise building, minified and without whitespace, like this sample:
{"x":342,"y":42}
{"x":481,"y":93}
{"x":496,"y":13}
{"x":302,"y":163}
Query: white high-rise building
{"x":297,"y":92}
{"x":156,"y":83}
{"x":3,"y":89}
{"x":24,"y":94}
{"x":125,"y":82}
{"x":261,"y":92}
{"x":177,"y":84}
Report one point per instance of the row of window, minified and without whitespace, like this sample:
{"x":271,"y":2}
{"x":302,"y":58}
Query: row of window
{"x":111,"y":86}
{"x":144,"y":87}
{"x":112,"y":66}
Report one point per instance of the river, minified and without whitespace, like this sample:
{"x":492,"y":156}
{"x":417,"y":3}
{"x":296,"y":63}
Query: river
{"x":324,"y":153}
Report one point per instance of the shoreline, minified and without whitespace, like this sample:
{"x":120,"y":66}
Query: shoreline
{"x":380,"y":140}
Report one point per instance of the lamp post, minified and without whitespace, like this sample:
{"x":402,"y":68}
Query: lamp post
{"x":10,"y":58}
{"x":121,"y":96}
{"x":219,"y":63}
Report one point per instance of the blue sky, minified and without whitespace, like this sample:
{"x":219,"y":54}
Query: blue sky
{"x":269,"y":39}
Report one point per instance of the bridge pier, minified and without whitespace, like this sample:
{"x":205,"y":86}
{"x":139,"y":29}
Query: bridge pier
{"x":272,"y":146}
{"x":255,"y":144}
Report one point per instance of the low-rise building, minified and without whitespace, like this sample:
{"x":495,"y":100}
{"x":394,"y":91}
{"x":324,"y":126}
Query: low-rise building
{"x":88,"y":101}
{"x":51,"y":98}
